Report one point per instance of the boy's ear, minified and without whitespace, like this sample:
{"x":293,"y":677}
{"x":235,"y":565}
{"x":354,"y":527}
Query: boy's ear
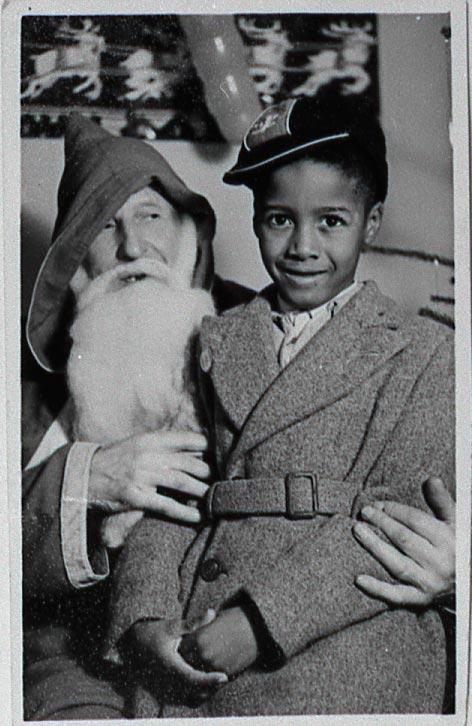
{"x":255,"y":224}
{"x":373,"y":222}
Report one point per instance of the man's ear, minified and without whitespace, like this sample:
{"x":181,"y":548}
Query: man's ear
{"x":80,"y":281}
{"x":184,"y":266}
{"x":373,"y":223}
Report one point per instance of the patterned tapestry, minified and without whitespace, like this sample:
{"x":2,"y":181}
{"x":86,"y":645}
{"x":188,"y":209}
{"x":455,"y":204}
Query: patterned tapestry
{"x":138,"y":75}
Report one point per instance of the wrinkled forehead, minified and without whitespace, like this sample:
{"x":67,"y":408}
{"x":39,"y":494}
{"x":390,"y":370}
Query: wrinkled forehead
{"x":148,"y":197}
{"x":147,"y":216}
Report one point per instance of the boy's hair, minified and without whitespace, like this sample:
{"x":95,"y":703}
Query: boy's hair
{"x":346,"y":157}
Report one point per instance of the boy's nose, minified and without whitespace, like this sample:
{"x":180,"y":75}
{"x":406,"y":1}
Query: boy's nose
{"x":130,"y":246}
{"x":304,"y":242}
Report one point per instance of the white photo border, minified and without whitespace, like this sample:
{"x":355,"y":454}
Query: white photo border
{"x":12,"y":12}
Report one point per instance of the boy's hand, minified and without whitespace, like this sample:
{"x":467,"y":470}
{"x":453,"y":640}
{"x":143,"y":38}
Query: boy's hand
{"x":227,"y":644}
{"x":157,"y":642}
{"x":422,"y":553}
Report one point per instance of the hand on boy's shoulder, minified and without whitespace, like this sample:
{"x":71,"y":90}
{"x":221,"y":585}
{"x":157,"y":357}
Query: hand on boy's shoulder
{"x":227,"y":644}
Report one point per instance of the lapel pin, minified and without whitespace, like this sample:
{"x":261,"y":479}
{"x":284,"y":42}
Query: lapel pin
{"x":205,"y":360}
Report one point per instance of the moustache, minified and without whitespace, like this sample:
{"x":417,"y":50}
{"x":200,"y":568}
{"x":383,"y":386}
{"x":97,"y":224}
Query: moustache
{"x":122,"y":276}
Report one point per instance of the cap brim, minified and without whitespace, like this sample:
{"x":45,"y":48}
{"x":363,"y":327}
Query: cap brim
{"x":240,"y":173}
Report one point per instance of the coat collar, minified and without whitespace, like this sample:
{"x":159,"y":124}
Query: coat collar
{"x":239,"y":347}
{"x":261,"y":399}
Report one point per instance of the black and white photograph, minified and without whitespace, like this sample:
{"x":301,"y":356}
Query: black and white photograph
{"x":237,"y":373}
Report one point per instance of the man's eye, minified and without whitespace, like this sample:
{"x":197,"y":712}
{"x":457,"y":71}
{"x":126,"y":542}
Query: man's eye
{"x":279,"y":220}
{"x":148,"y":215}
{"x":110,"y":225}
{"x":332,"y":220}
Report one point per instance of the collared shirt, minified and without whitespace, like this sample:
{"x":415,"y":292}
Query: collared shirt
{"x":293,"y":330}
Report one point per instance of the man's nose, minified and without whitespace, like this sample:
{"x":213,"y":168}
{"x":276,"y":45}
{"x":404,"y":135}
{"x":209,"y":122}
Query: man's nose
{"x":130,"y":246}
{"x":304,"y":242}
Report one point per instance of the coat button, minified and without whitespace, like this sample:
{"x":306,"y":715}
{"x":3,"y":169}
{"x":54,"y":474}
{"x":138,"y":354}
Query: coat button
{"x":205,"y":360}
{"x":210,"y":569}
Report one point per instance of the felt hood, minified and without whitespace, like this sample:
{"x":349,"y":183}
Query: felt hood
{"x":101,"y":171}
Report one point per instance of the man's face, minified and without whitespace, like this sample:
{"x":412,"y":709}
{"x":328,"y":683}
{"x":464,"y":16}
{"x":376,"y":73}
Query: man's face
{"x":311,"y":222}
{"x":146,"y":226}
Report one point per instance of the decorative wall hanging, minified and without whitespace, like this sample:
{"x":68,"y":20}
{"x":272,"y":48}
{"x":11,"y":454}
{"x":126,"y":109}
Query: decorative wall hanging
{"x":200,"y":78}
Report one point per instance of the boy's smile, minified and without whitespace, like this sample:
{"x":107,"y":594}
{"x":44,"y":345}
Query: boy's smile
{"x":311,"y":223}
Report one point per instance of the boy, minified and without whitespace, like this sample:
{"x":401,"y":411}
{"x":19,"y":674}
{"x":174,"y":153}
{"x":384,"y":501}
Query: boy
{"x":322,"y":396}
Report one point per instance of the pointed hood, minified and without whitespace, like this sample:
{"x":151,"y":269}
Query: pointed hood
{"x":101,"y":172}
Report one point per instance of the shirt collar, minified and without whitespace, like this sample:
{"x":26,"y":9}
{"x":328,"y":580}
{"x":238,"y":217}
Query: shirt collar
{"x":331,"y":306}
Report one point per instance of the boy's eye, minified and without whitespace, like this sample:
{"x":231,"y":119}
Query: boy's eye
{"x":332,"y":220}
{"x":279,"y":220}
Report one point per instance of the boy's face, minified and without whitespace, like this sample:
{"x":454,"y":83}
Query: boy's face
{"x":311,"y":222}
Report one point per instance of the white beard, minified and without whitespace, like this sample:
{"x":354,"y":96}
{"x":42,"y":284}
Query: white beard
{"x":130,"y":366}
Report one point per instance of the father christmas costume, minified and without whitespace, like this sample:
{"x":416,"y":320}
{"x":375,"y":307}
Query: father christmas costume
{"x":62,"y":554}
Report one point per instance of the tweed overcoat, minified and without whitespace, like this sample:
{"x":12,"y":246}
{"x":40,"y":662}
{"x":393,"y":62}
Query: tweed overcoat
{"x":367,"y":407}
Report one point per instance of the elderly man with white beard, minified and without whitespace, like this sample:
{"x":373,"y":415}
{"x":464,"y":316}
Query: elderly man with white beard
{"x":130,"y":365}
{"x":133,"y":244}
{"x":117,"y":305}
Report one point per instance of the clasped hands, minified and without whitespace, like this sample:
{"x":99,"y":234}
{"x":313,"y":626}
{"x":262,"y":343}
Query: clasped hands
{"x":165,"y":473}
{"x":203,"y":654}
{"x":196,"y":656}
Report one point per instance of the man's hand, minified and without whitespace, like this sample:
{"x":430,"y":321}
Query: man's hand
{"x":227,"y":644}
{"x":422,"y":551}
{"x":154,"y":644}
{"x":125,"y":475}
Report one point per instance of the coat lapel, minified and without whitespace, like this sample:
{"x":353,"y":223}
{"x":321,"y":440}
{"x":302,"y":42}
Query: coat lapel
{"x":237,"y":350}
{"x":346,"y":351}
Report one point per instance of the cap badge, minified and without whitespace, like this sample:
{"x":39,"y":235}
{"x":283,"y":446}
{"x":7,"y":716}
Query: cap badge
{"x":270,"y":124}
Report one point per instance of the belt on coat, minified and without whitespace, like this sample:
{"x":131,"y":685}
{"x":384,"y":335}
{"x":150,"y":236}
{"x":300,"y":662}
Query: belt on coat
{"x":295,"y":496}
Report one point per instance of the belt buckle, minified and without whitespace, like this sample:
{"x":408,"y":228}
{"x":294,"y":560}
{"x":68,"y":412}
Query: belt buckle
{"x":301,"y":495}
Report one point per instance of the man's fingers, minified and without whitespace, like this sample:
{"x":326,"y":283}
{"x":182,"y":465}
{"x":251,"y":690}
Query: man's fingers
{"x":179,"y":481}
{"x":166,"y":472}
{"x":404,"y":595}
{"x":175,"y":440}
{"x":439,"y":500}
{"x":167,"y":507}
{"x":415,"y":519}
{"x":192,"y":465}
{"x":400,"y":535}
{"x":171,"y":470}
{"x":389,"y":557}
